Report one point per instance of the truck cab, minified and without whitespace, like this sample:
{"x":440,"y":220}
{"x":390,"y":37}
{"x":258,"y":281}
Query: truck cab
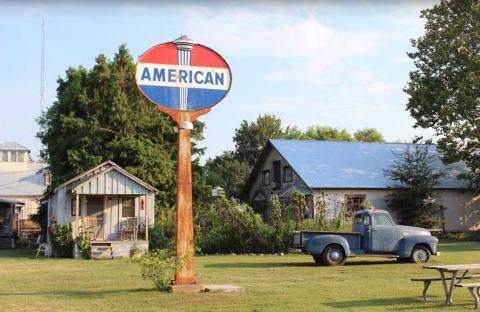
{"x":374,"y":233}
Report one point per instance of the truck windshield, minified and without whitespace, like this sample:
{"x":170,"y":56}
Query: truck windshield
{"x":381,"y":219}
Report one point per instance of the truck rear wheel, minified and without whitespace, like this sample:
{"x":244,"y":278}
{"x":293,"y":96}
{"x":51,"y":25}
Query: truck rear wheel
{"x":333,"y":255}
{"x":420,"y":254}
{"x":318,"y":259}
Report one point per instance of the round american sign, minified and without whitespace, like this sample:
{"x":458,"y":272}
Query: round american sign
{"x":183,"y":76}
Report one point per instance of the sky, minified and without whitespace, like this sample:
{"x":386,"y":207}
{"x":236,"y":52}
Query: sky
{"x":341,"y":64}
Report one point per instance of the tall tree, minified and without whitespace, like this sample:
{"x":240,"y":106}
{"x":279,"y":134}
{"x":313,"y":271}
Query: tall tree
{"x":99,"y":115}
{"x":368,"y":135}
{"x":444,"y":88}
{"x":416,"y":175}
{"x":250,"y":138}
{"x":327,"y":134}
{"x":228,"y":172}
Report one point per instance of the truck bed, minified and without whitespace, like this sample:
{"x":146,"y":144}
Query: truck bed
{"x":300,"y":238}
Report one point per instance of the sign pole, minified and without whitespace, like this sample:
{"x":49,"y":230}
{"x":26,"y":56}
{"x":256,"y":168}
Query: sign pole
{"x":184,"y":219}
{"x":184,"y":80}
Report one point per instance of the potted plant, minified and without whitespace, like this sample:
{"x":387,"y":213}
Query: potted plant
{"x":135,"y":251}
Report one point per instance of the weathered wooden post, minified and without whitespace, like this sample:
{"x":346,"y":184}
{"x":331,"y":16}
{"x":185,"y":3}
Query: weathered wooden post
{"x":184,"y":79}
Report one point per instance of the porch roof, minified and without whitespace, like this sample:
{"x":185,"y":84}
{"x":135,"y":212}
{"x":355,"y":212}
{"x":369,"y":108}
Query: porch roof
{"x":107,"y":178}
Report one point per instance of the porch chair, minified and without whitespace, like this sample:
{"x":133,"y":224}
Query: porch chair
{"x":129,"y":228}
{"x":41,"y":247}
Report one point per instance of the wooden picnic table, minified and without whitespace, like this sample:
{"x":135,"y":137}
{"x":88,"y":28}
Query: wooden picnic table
{"x":455,"y":270}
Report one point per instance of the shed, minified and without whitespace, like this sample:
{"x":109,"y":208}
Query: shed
{"x":113,"y":206}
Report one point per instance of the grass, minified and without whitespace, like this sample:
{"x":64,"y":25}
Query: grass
{"x":273,"y":283}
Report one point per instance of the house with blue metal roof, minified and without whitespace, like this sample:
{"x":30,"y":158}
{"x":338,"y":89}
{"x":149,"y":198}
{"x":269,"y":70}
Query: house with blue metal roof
{"x":347,"y":174}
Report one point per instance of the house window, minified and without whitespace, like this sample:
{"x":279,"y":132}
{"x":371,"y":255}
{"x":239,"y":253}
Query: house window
{"x":13,"y":156}
{"x":266,"y":177}
{"x":287,"y":174}
{"x":4,"y":156}
{"x":276,"y":165}
{"x":128,"y":207}
{"x":74,"y":207}
{"x":353,"y":203}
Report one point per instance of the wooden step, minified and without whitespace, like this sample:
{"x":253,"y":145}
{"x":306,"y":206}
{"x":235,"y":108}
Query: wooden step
{"x":101,"y":250}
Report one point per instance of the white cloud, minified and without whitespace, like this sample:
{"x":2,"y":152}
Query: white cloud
{"x":378,"y":88}
{"x":402,"y":58}
{"x":278,"y":32}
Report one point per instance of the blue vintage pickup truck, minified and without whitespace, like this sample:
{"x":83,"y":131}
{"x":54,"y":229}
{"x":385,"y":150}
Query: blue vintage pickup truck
{"x":373,"y":234}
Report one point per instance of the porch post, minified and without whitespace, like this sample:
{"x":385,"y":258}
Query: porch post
{"x":77,"y":214}
{"x":146,"y":217}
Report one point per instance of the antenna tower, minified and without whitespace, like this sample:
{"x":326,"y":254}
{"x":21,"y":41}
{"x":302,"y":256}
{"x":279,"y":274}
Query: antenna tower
{"x":42,"y":70}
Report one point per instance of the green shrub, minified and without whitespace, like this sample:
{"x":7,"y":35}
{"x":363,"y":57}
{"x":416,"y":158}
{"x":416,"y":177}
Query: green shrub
{"x":296,"y":208}
{"x":231,"y":227}
{"x":159,"y":266}
{"x":159,"y":239}
{"x":62,"y":240}
{"x":84,"y":244}
{"x":22,"y":242}
{"x":336,"y":224}
{"x":467,"y":236}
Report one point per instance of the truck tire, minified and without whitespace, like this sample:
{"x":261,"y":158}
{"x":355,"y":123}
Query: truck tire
{"x":333,"y":255}
{"x":420,"y":254}
{"x":318,"y":259}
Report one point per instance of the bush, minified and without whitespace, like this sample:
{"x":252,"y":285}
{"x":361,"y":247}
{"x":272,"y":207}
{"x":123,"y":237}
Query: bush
{"x":84,"y":244}
{"x":159,"y":266}
{"x":21,"y":242}
{"x":62,"y":240}
{"x":467,"y":236}
{"x":229,"y":227}
{"x":296,"y":208}
{"x":159,"y":239}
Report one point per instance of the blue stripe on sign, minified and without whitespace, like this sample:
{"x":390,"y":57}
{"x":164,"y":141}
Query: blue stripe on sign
{"x":163,"y":96}
{"x":208,"y":97}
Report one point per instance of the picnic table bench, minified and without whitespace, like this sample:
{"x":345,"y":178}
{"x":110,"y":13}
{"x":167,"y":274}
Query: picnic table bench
{"x":455,"y":270}
{"x":428,"y":280}
{"x":474,"y":289}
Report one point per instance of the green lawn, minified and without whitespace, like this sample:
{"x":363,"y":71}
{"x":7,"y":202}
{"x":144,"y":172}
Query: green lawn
{"x":273,"y":283}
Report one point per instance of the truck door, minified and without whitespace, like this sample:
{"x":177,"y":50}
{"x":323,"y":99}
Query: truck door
{"x":384,"y":234}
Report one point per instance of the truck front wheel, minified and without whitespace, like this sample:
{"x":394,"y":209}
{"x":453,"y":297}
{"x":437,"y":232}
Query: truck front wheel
{"x":333,"y":255}
{"x":420,"y":254}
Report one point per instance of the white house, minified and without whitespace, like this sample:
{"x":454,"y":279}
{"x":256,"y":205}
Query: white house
{"x":344,"y":174}
{"x":115,"y":206}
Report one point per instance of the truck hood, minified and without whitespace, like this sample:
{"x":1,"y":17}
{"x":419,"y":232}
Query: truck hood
{"x":412,"y":230}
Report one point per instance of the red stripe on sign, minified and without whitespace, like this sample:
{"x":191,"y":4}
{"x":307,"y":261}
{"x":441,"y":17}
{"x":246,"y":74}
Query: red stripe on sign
{"x":203,"y":56}
{"x":165,"y":53}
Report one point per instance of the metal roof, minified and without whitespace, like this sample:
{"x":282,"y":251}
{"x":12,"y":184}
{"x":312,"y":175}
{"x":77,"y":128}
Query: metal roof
{"x":102,"y":168}
{"x":12,"y":146}
{"x":331,"y":164}
{"x":28,"y":182}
